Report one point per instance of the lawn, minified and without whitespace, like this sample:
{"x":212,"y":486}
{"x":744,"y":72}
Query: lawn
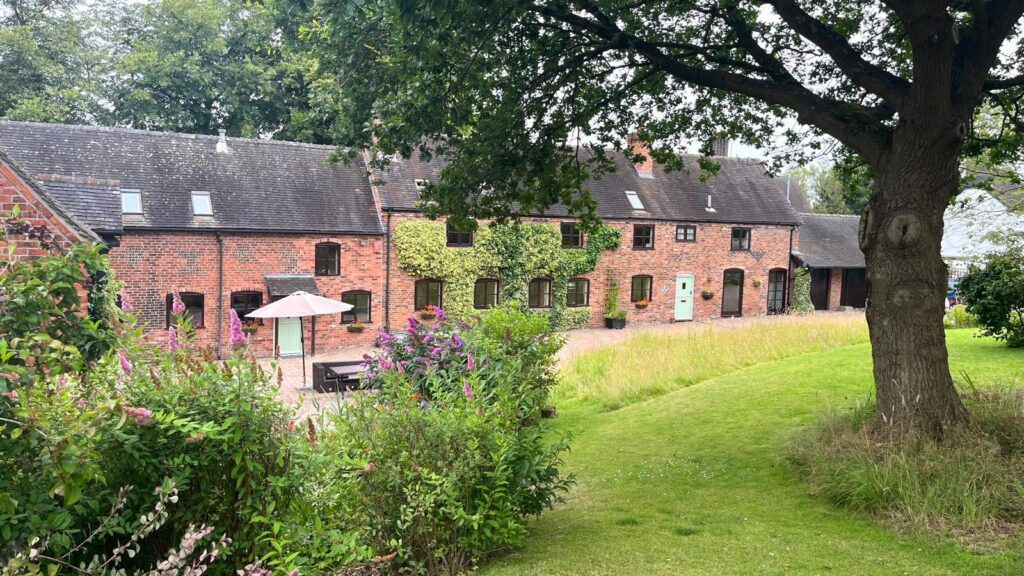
{"x":692,"y":481}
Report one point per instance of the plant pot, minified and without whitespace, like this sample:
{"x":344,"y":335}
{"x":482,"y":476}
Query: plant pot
{"x":428,"y":316}
{"x":707,"y":295}
{"x":356,"y":329}
{"x":641,"y":305}
{"x":615,"y":323}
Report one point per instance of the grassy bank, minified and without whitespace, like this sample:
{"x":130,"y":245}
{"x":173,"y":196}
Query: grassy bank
{"x":650,"y":365}
{"x":693,"y":482}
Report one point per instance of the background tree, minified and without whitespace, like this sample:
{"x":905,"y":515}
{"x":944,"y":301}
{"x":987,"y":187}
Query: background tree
{"x":509,"y":90}
{"x":51,"y":66}
{"x":994,"y":294}
{"x":830,"y":192}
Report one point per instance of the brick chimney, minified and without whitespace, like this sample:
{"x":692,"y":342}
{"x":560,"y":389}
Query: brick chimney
{"x":721,"y":146}
{"x":637,"y":146}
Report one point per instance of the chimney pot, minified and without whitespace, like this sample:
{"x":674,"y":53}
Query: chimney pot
{"x":645,"y":168}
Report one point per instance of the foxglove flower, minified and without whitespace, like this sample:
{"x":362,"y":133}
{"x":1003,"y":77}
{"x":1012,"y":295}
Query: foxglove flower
{"x":125,"y":364}
{"x":238,"y":338}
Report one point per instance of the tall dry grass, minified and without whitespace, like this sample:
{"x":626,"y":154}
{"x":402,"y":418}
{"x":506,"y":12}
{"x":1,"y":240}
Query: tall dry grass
{"x":651,"y":364}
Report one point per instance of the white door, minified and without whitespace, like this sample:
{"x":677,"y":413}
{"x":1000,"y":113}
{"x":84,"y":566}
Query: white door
{"x":684,"y":297}
{"x":289,"y":336}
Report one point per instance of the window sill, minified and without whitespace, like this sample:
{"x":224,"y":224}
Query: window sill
{"x":639,"y":249}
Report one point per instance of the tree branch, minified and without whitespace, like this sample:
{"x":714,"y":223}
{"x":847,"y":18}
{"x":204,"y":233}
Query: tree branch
{"x":853,"y":124}
{"x":993,"y":84}
{"x":868,"y":76}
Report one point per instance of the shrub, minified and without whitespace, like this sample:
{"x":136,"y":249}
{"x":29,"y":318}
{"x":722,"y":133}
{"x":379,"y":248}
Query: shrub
{"x":801,"y":300}
{"x":968,"y":485}
{"x":994,"y":294}
{"x":958,"y":317}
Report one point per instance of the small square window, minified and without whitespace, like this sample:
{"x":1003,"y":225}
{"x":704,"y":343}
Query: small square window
{"x":428,"y":292}
{"x":643,"y":237}
{"x":360,"y":301}
{"x":485,"y":294}
{"x":458,"y":238}
{"x":641,"y":289}
{"x":686,"y":233}
{"x":328,"y":259}
{"x":201,"y":204}
{"x":540,"y":293}
{"x":131,"y":202}
{"x":194,"y":308}
{"x":571,"y":235}
{"x":634,"y":200}
{"x":577,"y":293}
{"x":741,"y":238}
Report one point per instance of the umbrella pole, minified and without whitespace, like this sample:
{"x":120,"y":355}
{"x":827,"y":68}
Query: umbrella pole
{"x":302,"y":344}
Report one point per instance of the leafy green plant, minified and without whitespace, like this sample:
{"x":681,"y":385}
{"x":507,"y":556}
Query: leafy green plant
{"x":801,"y":299}
{"x":513,"y":253}
{"x":994,"y":294}
{"x":958,"y":317}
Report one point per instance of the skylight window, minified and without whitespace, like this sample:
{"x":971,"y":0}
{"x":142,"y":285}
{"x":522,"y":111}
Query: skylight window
{"x":634,"y":200}
{"x":201,"y":204}
{"x":131,"y":202}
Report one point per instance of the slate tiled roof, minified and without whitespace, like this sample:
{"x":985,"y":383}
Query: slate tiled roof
{"x":830,"y":241}
{"x":260,"y":185}
{"x":80,"y":226}
{"x":285,"y":284}
{"x":741,"y":192}
{"x":98,"y":206}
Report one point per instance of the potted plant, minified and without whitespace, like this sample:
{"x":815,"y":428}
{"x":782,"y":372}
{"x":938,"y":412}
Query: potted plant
{"x":707,"y":294}
{"x":641,"y":304}
{"x":356,"y":327}
{"x":756,"y":283}
{"x":614,"y":318}
{"x":249,"y":328}
{"x":428,"y":313}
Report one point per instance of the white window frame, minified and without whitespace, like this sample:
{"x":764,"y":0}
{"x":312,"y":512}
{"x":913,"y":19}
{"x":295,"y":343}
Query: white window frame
{"x":209,"y":201}
{"x":634,"y":200}
{"x":131,"y":192}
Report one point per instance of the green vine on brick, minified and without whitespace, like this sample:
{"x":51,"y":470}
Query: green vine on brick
{"x":513,"y":253}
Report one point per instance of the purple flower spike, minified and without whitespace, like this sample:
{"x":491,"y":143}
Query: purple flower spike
{"x":466,"y":389}
{"x":238,"y":338}
{"x":436,"y":352}
{"x":125,"y":364}
{"x":457,"y":340}
{"x":178,"y":306}
{"x":413,"y":324}
{"x":470,"y":362}
{"x":172,"y":339}
{"x":126,"y":303}
{"x":440,"y":314}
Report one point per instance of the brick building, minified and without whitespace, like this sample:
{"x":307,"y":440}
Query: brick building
{"x":41,"y":223}
{"x":729,"y":236}
{"x":830,"y":251}
{"x":226,"y":223}
{"x":235,"y":223}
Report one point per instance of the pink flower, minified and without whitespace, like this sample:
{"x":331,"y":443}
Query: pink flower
{"x":440,"y":313}
{"x":125,"y":364}
{"x":470,"y":362}
{"x":294,"y":572}
{"x":194,"y":439}
{"x":12,"y":394}
{"x":466,"y":389}
{"x":400,"y":366}
{"x":142,"y":416}
{"x":10,"y":376}
{"x":126,"y":303}
{"x":238,"y":338}
{"x":172,"y":339}
{"x":177,"y":306}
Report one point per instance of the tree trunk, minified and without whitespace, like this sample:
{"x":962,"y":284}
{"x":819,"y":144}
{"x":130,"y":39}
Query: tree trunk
{"x":901,"y":234}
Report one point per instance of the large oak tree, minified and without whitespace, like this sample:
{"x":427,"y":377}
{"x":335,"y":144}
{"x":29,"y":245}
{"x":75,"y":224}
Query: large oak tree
{"x":505,"y":89}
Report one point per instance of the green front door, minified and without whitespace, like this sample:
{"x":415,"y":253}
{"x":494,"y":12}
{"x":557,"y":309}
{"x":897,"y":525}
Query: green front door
{"x":684,"y":297}
{"x":289,"y":336}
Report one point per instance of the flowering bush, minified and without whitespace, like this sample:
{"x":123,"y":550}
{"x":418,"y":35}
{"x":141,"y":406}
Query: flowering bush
{"x":443,"y":465}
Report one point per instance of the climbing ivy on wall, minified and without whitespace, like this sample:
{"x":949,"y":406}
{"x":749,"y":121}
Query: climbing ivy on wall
{"x":514,"y":253}
{"x":801,"y":301}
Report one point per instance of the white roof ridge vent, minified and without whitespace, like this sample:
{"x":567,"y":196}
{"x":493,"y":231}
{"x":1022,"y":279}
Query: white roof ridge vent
{"x":222,"y":142}
{"x":709,"y":208}
{"x":634,"y":200}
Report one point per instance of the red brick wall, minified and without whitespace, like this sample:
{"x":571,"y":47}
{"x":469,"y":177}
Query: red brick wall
{"x":151,"y":264}
{"x":706,"y":259}
{"x":36,"y":212}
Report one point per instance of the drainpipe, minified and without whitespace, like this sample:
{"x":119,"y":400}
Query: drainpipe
{"x":387,"y":273}
{"x":789,"y":263}
{"x":220,"y":293}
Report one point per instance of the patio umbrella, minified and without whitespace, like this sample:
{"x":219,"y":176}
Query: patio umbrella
{"x":299,"y":305}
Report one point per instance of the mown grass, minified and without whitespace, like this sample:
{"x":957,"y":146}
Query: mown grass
{"x":650,"y":365}
{"x":694,"y":482}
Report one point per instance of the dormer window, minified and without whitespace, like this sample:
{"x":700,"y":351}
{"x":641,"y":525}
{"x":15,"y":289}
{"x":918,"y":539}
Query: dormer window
{"x":634,"y":200}
{"x":131,"y":202}
{"x":201,"y":204}
{"x":421,"y":185}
